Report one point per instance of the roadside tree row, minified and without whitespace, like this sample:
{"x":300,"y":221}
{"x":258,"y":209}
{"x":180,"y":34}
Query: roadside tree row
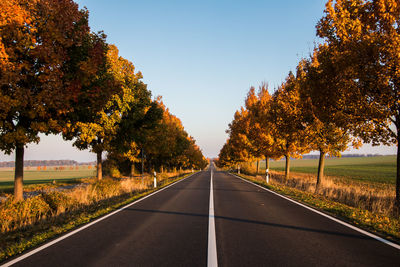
{"x":345,"y":93}
{"x":56,"y":76}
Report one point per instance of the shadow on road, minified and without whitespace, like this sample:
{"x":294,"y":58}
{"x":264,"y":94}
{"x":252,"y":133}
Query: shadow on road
{"x":254,"y":222}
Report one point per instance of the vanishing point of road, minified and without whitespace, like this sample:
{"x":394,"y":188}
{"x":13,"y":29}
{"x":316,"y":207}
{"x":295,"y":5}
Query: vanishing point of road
{"x":214,"y":218}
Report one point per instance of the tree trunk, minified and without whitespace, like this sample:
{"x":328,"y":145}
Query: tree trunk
{"x":321,"y":166}
{"x":19,"y":173}
{"x":258,"y":167}
{"x":397,"y":203}
{"x":142,"y":166}
{"x":266,"y":163}
{"x":162,"y":169}
{"x":132,"y":169}
{"x":287,"y":167}
{"x":99,"y":166}
{"x":267,"y":167}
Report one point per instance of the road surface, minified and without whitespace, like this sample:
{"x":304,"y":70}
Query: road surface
{"x":248,"y":226}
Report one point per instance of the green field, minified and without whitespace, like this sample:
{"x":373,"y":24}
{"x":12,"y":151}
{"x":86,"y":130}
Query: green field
{"x":43,"y":176}
{"x":381,"y":169}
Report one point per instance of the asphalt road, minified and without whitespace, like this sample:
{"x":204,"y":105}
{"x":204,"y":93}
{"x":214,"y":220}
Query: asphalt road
{"x":253,"y":227}
{"x":167,"y":229}
{"x":257,"y":228}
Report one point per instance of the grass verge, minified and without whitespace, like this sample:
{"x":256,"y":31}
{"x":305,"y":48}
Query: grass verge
{"x":16,"y":242}
{"x":385,"y":226}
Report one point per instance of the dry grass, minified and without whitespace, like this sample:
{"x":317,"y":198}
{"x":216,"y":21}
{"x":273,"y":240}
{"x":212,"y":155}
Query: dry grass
{"x":377,"y":198}
{"x":51,"y":204}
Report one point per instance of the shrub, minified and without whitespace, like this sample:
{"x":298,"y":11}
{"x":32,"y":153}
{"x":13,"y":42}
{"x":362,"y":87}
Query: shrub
{"x":58,"y":202}
{"x":15,"y":215}
{"x":106,"y":188}
{"x":114,"y":172}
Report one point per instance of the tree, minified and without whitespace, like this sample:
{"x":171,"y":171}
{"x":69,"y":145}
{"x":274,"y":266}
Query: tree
{"x":168,"y":144}
{"x":242,"y":149}
{"x":327,"y":131}
{"x":250,"y":132}
{"x":136,"y":124}
{"x":227,"y":157}
{"x":364,"y":40}
{"x":261,"y":126}
{"x":160,"y":143}
{"x":40,"y":75}
{"x":95,"y":129}
{"x":290,"y":131}
{"x":251,"y":128}
{"x":195,"y":156}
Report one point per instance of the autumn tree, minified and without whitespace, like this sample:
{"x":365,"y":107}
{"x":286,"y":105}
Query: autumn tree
{"x":364,"y":39}
{"x":95,"y":129}
{"x":41,"y":75}
{"x":328,"y":130}
{"x":136,"y":124}
{"x":242,"y":148}
{"x":250,"y":132}
{"x":261,"y":130}
{"x":169,"y":145}
{"x":250,"y":127}
{"x":289,"y":131}
{"x":228,"y":155}
{"x":195,"y":156}
{"x":159,"y":144}
{"x":224,"y":156}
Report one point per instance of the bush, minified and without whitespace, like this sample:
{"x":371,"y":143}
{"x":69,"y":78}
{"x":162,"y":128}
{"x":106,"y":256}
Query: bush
{"x":106,"y":188}
{"x":114,"y":172}
{"x":15,"y":215}
{"x":116,"y":167}
{"x":58,"y":202}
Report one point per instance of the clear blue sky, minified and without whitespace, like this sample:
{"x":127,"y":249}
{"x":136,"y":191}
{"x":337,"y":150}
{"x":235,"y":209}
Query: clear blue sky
{"x":202,"y":57}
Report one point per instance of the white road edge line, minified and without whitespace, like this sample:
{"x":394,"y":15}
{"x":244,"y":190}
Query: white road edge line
{"x":212,"y":260}
{"x":28,"y":254}
{"x":387,"y":242}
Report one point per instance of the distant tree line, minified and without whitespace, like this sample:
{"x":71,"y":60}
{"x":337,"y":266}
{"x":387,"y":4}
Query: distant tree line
{"x":345,"y":93}
{"x":35,"y":163}
{"x":56,"y":76}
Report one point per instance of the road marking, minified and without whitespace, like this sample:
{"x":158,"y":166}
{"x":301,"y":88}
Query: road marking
{"x":212,"y":244}
{"x":28,"y":254}
{"x":387,"y":242}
